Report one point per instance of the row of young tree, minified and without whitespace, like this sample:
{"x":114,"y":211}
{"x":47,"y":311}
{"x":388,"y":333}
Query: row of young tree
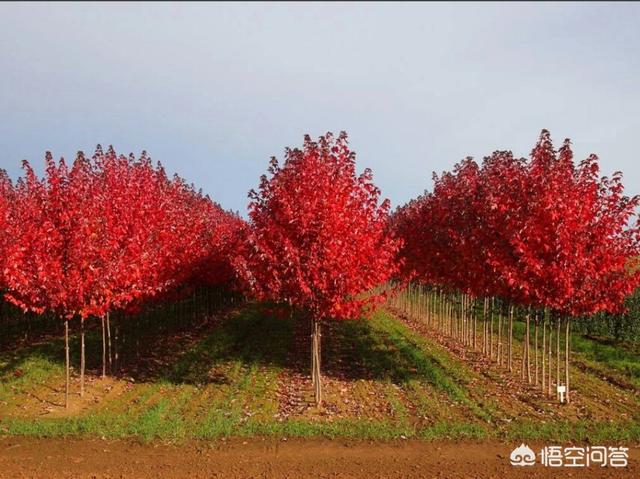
{"x":546,"y":236}
{"x":114,"y":233}
{"x":107,"y":233}
{"x":622,"y":326}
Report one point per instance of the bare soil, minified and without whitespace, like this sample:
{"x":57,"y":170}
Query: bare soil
{"x":277,"y":458}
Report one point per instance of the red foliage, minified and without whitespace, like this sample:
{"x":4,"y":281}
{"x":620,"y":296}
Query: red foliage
{"x":6,"y":201}
{"x":110,"y":233}
{"x":541,"y":232}
{"x":320,"y":238}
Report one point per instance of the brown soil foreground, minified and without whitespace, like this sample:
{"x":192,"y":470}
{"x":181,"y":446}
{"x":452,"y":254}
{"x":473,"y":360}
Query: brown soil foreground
{"x":266,"y":458}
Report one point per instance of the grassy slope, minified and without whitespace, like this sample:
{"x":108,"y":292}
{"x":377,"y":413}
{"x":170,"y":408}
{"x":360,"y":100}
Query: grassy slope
{"x":229,"y":383}
{"x":615,"y":361}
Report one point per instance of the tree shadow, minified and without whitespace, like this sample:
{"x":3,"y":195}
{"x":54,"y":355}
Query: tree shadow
{"x":245,"y":338}
{"x":350,"y":350}
{"x":356,"y":350}
{"x":206,"y":348}
{"x":12,"y":362}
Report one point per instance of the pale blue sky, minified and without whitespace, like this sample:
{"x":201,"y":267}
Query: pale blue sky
{"x":214,"y":90}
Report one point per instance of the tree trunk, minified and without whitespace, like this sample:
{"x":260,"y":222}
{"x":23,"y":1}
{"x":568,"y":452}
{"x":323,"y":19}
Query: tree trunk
{"x":535,"y":346}
{"x":450,"y":314}
{"x":315,"y":362}
{"x":462,"y":321}
{"x":82,"y":358}
{"x":491,"y":328}
{"x":558,"y":354}
{"x":510,"y":338}
{"x":459,"y":318}
{"x":550,"y":357}
{"x":66,"y":362}
{"x":544,"y":351}
{"x":109,"y":342}
{"x":499,"y":343}
{"x":465,"y":320}
{"x":104,"y":350}
{"x":474,"y":322}
{"x":445,"y":313}
{"x":484,"y":326}
{"x":523,"y":359}
{"x":116,"y":362}
{"x":442,"y":316}
{"x":528,"y":348}
{"x":567,"y":350}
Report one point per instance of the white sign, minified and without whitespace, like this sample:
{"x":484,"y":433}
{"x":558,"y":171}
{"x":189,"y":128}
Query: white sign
{"x":561,"y":391}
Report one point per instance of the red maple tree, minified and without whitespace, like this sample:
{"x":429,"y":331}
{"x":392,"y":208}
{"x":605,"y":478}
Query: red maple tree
{"x":109,"y":233}
{"x":320,"y":238}
{"x":540,"y":233}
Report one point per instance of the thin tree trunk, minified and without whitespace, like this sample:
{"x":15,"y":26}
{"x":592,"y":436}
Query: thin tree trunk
{"x":469,"y":320}
{"x":510,"y":338}
{"x":320,"y":353}
{"x":313,"y":353}
{"x":550,"y":358}
{"x":567,"y":350}
{"x":109,"y":342}
{"x":450,"y":314}
{"x":458,"y":311}
{"x":460,"y":320}
{"x":499,"y":343}
{"x":463,"y":320}
{"x":544,"y":351}
{"x":82,"y":357}
{"x":523,"y":359}
{"x":447,"y":315}
{"x":558,"y":354}
{"x":440,"y":312}
{"x":66,"y":362}
{"x":528,"y":348}
{"x":116,"y":361}
{"x":484,"y":326}
{"x":104,"y":349}
{"x":475,"y":324}
{"x":535,"y":346}
{"x":491,"y":328}
{"x":315,"y":362}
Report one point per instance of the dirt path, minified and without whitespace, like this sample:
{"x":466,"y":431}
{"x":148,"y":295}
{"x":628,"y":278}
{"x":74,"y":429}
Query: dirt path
{"x":266,"y":458}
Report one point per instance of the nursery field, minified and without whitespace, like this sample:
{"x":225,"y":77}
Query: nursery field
{"x":218,"y":304}
{"x":243,"y":372}
{"x":229,"y":395}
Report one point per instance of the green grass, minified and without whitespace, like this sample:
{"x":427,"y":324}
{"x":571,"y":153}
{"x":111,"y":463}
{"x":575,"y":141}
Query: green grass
{"x":603,"y":357}
{"x":608,"y":358}
{"x":23,"y":370}
{"x":226,"y":384}
{"x":618,"y":360}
